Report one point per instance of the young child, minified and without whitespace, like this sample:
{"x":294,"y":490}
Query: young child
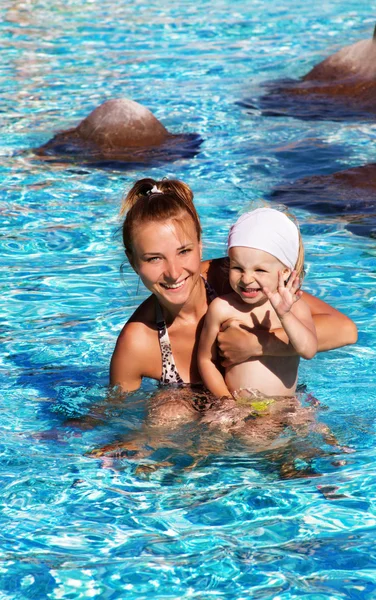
{"x":266,"y":263}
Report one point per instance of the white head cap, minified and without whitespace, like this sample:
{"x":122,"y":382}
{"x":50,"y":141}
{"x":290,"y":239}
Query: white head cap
{"x":269,"y":230}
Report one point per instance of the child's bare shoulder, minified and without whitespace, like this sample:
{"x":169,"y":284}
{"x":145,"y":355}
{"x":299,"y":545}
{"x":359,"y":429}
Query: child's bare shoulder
{"x":222,"y":306}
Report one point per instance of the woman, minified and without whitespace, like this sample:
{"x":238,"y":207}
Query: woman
{"x":162,"y":240}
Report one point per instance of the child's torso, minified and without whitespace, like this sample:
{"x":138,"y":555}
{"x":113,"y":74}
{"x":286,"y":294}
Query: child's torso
{"x":271,"y":375}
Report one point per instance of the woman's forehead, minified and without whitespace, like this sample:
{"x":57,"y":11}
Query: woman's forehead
{"x":173,"y":232}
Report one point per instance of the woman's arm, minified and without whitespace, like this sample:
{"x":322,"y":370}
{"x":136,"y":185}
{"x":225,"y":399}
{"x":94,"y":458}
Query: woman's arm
{"x":333,"y":328}
{"x":207,"y":353}
{"x":125,"y":374}
{"x":128,"y":358}
{"x":237,"y":342}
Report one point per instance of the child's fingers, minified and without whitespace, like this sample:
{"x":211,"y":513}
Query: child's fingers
{"x":281,"y":281}
{"x":291,"y":280}
{"x":295,"y":285}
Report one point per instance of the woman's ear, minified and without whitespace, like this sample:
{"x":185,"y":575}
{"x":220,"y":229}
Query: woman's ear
{"x":200,"y":245}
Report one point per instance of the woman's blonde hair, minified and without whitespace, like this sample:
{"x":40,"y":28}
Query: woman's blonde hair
{"x":150,"y":200}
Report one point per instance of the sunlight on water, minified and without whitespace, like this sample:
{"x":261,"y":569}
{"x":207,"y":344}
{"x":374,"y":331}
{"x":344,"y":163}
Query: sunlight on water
{"x":188,"y":515}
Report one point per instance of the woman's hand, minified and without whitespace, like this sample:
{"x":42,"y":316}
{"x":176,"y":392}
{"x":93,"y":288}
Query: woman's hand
{"x":237,"y":343}
{"x":285,"y":295}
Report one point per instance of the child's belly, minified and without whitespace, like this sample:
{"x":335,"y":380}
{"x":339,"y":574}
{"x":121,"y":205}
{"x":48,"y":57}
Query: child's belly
{"x":272,"y":376}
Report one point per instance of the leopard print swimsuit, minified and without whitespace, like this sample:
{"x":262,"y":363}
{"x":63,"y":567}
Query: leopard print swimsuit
{"x":170,"y":373}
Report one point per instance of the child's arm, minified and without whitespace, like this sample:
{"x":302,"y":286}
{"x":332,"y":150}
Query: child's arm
{"x":207,"y":351}
{"x":300,"y":328}
{"x":295,"y":317}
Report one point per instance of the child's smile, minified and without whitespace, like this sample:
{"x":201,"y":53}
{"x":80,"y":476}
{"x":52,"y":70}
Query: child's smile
{"x":251,"y":270}
{"x":249,"y":292}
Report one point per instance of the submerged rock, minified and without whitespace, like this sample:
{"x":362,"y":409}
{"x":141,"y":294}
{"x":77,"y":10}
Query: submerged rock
{"x":348,"y":195}
{"x":343,"y":86}
{"x":119,"y":133}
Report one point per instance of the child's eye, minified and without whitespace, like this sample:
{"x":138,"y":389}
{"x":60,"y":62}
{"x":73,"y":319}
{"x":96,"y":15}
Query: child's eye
{"x":261,"y":271}
{"x":234,"y":268}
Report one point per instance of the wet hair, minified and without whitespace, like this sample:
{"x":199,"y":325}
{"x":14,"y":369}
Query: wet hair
{"x":149,"y":200}
{"x":299,"y":266}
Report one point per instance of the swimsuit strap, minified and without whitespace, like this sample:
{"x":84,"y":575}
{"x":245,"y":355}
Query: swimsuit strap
{"x":170,"y":373}
{"x":210,"y":291}
{"x":169,"y":370}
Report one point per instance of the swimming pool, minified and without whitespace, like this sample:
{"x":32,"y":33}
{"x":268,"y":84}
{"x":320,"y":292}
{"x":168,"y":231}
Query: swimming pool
{"x":229,"y":527}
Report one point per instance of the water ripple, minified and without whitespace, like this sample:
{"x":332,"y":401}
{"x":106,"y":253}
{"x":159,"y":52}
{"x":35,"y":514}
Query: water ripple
{"x":223,"y":524}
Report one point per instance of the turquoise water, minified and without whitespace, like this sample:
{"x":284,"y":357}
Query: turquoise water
{"x":229,"y":527}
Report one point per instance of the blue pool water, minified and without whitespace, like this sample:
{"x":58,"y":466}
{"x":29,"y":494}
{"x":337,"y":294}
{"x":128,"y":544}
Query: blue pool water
{"x":71,"y":526}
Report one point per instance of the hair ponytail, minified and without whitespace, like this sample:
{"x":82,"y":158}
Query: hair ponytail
{"x":140,"y":189}
{"x":150,"y":200}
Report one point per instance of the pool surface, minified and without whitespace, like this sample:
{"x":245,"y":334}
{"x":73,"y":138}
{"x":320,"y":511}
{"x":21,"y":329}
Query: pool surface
{"x":176,"y":524}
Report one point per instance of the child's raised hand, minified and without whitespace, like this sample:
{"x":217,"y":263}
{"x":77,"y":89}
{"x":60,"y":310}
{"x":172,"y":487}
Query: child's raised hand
{"x":285,"y":295}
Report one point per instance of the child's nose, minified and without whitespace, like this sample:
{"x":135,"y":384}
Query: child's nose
{"x":248,"y":278}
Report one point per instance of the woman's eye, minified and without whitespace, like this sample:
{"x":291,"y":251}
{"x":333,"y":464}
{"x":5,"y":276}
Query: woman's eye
{"x":153,"y":259}
{"x":186,"y":251}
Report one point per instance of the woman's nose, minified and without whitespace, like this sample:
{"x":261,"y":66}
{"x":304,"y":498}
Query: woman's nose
{"x":173,"y":270}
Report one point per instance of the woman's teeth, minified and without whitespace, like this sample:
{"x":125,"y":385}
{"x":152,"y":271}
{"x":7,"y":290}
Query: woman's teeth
{"x":173,"y":286}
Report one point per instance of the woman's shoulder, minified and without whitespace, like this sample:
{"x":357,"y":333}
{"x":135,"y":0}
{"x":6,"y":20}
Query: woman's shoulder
{"x":140,"y":327}
{"x":215,"y":272}
{"x":137,"y":353}
{"x":138,"y":339}
{"x":213,"y":265}
{"x":145,"y":313}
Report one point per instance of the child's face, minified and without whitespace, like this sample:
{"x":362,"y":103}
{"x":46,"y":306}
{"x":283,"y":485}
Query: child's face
{"x":252,"y":269}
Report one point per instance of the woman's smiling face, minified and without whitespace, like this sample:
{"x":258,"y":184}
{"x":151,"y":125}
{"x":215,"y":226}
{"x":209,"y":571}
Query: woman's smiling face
{"x":251,"y":269}
{"x":167,"y":257}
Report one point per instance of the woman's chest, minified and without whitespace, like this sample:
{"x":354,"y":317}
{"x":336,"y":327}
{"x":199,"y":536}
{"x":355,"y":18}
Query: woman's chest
{"x":184,"y":345}
{"x":173,"y":350}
